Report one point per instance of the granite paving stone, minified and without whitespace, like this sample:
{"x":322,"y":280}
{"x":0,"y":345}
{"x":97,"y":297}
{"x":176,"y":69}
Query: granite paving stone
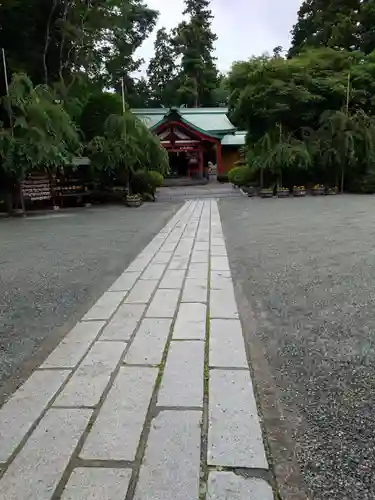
{"x":124,"y":322}
{"x":227,"y":348}
{"x":168,"y":246}
{"x":25,"y":406}
{"x":105,"y":306}
{"x":234,"y":435}
{"x":149,"y":343}
{"x":141,"y":292}
{"x":74,"y":346}
{"x":182,"y":382}
{"x":230,"y":486}
{"x":115,"y":434}
{"x":140,"y":263}
{"x":202,"y":246}
{"x":173,"y":279}
{"x":218,"y":251}
{"x":37,"y":469}
{"x":219,"y":263}
{"x":92,"y":376}
{"x":223,"y":304}
{"x":195,"y":290}
{"x":199,"y":256}
{"x":125,"y":282}
{"x":221,"y":280}
{"x":197,"y":269}
{"x":185,"y":246}
{"x":217,"y":241}
{"x":96,"y":483}
{"x":162,"y":258}
{"x":179,"y":262}
{"x":191,"y":321}
{"x":163,"y":304}
{"x":170,"y":469}
{"x":154,"y":272}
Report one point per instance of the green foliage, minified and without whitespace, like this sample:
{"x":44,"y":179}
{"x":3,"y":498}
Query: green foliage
{"x":156,"y":179}
{"x":56,"y":39}
{"x":96,"y":112}
{"x":127,"y":146}
{"x":296,"y":91}
{"x":330,"y":23}
{"x":146,"y":182}
{"x":344,"y":24}
{"x":162,"y":71}
{"x":195,"y":40}
{"x":240,"y":176}
{"x":39,"y":134}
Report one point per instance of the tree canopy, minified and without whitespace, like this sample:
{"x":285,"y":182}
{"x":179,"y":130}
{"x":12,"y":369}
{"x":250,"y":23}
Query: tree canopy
{"x":58,"y":39}
{"x":343,"y":24}
{"x":195,"y":40}
{"x":310,"y":115}
{"x":162,"y":71}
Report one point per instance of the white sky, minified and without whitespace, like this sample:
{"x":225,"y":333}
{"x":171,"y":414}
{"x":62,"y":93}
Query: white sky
{"x":244,"y":27}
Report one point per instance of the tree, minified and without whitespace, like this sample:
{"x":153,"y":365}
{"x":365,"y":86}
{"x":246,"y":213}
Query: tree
{"x":125,"y":147}
{"x":278,"y":152}
{"x":195,"y":42}
{"x":96,"y":112}
{"x":295,"y":92}
{"x":39,"y":134}
{"x":308,"y":95}
{"x":366,"y":27}
{"x":345,"y":143}
{"x":221,"y":94}
{"x":58,"y":39}
{"x":162,"y":71}
{"x":330,"y":23}
{"x":278,"y":51}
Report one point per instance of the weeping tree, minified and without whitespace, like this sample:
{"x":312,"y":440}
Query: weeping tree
{"x":344,"y":144}
{"x":126,"y":146}
{"x":36,"y":133}
{"x":278,"y":152}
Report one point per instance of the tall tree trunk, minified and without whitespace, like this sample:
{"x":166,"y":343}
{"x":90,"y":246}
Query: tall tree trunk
{"x":62,"y":43}
{"x":261,"y":177}
{"x":48,"y":40}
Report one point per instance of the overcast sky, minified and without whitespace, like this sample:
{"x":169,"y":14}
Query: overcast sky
{"x":244,"y":27}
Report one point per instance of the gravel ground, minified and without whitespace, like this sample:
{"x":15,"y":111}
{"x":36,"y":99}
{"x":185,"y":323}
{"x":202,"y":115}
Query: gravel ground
{"x":54,"y":267}
{"x":306,"y":269}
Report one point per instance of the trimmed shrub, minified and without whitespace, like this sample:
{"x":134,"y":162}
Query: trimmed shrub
{"x":239,"y":176}
{"x":156,"y":179}
{"x":146,"y":182}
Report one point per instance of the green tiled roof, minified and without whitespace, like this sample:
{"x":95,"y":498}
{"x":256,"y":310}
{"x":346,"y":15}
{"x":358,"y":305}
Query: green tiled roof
{"x":209,"y":120}
{"x":236,"y":139}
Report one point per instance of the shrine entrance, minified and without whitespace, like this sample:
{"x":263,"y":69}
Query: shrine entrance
{"x":179,"y":164}
{"x":190,"y":151}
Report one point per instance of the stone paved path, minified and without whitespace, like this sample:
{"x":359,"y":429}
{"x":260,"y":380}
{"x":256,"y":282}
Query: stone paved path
{"x":150,"y":396}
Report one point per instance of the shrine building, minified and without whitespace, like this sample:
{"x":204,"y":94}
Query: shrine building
{"x":195,"y":138}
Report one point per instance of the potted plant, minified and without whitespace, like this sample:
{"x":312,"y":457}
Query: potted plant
{"x":299,"y":191}
{"x":283,"y":192}
{"x":332,"y":190}
{"x":266,"y":193}
{"x":134,"y":200}
{"x":318,"y":190}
